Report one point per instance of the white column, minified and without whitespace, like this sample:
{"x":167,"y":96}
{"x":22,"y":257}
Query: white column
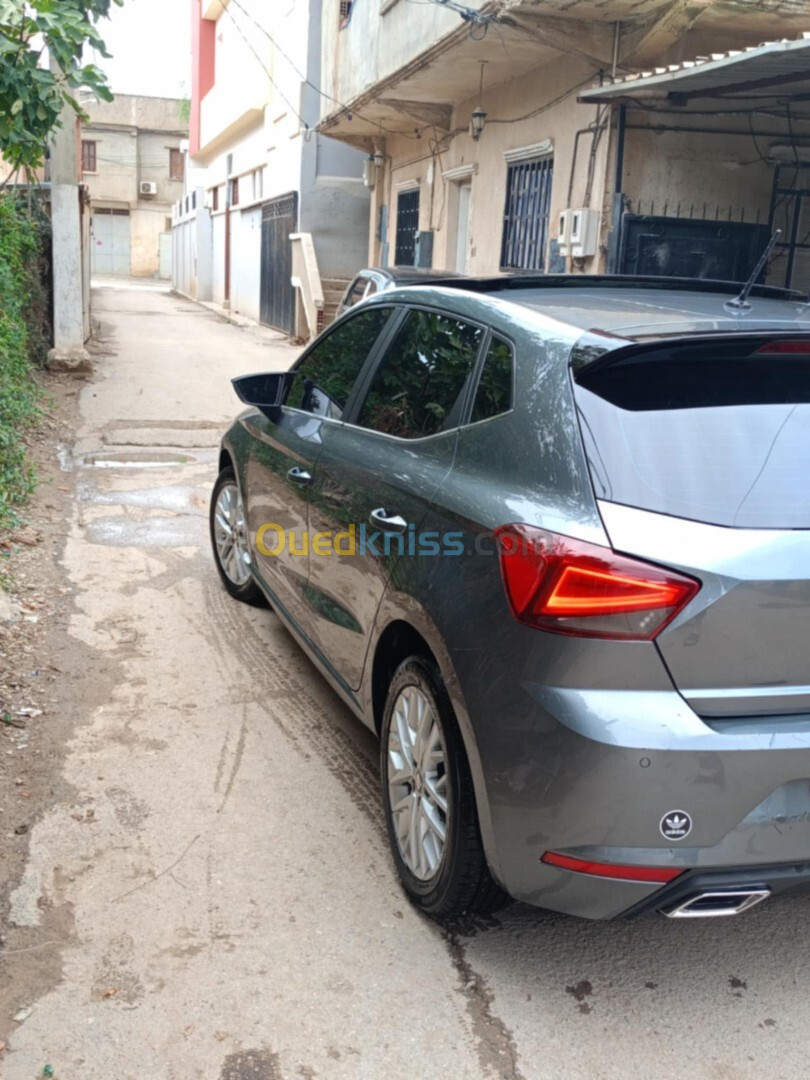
{"x":68,"y":353}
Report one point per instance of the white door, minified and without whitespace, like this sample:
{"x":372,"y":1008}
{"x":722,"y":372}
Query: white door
{"x":463,"y":228}
{"x":166,"y":256}
{"x":111,"y":243}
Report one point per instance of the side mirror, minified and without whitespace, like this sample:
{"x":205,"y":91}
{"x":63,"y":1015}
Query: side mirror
{"x":265,"y":391}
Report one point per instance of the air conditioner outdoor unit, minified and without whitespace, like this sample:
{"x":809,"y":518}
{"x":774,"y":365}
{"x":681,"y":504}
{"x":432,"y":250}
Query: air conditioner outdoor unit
{"x":148,"y":187}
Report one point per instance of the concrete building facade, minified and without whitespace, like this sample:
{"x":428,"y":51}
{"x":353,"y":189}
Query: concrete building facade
{"x":257,"y":166}
{"x":133,"y":166}
{"x":489,"y":142}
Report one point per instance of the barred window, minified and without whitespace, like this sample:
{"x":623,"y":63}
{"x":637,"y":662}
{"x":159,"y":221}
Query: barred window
{"x":525,"y":219}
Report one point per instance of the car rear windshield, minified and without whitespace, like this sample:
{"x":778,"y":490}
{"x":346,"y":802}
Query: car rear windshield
{"x":717,"y":432}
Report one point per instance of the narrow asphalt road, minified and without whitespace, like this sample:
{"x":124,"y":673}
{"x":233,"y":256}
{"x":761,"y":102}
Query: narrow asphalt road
{"x":227,"y":903}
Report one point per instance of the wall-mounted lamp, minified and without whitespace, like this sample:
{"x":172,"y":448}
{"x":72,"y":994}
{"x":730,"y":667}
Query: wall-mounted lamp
{"x":477,"y":121}
{"x":371,"y":166}
{"x":478,"y":118}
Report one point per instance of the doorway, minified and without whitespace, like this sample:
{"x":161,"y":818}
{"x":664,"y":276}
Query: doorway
{"x":111,"y":241}
{"x":462,"y":253}
{"x":277,"y":295}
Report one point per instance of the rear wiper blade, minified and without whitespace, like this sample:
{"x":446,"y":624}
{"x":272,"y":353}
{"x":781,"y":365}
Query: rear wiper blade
{"x":741,"y":303}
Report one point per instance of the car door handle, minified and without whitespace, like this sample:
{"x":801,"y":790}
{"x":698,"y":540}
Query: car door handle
{"x":380,"y":520}
{"x":299,"y":476}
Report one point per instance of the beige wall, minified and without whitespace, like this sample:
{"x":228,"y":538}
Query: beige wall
{"x":724,"y":171}
{"x":134,"y":136}
{"x":411,"y":160}
{"x":147,"y":224}
{"x":148,"y":113}
{"x":718,"y":170}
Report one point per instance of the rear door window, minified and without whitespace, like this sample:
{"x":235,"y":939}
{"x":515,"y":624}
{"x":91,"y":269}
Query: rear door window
{"x":325,"y":376}
{"x":494,"y":393}
{"x":717,"y":432}
{"x":420,"y":386}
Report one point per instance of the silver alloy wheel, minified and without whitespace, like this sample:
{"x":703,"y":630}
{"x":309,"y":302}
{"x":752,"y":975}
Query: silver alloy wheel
{"x":417,"y":782}
{"x":230,"y":535}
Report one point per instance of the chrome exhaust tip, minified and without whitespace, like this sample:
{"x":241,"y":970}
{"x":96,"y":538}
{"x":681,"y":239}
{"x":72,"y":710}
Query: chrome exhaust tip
{"x":714,"y":903}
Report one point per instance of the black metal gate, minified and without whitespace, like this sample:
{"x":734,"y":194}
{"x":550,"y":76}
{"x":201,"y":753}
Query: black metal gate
{"x":407,"y":228}
{"x":277,"y":295}
{"x":790,"y":212}
{"x":525,"y":218}
{"x":690,"y":247}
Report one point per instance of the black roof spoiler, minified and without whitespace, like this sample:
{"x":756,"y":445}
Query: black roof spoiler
{"x":508,"y":282}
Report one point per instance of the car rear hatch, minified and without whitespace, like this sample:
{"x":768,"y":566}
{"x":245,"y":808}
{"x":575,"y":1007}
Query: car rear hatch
{"x":699,"y":452}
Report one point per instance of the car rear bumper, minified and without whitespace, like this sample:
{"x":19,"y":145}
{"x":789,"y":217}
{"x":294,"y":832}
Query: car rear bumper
{"x":682,"y":897}
{"x":746,"y":798}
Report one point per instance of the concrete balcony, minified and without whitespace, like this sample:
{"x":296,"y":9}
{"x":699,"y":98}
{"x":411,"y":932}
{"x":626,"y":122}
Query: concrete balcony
{"x":395,"y":73}
{"x":224,"y":115}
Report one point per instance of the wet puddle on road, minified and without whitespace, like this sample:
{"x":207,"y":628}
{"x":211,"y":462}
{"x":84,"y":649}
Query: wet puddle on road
{"x":179,"y":499}
{"x":122,"y":531}
{"x":136,"y":459}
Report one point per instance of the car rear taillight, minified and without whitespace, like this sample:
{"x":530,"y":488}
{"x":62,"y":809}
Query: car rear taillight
{"x":569,"y":586}
{"x":785,"y":348}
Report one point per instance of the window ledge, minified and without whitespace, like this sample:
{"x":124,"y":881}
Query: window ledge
{"x":461,"y":172}
{"x":525,"y":153}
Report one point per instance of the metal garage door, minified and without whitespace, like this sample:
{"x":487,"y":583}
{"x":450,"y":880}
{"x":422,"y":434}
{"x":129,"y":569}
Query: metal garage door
{"x":111,"y":244}
{"x":277,"y":295}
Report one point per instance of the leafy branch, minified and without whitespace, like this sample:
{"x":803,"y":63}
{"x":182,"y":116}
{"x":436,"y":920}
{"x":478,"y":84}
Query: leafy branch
{"x":33,"y":96}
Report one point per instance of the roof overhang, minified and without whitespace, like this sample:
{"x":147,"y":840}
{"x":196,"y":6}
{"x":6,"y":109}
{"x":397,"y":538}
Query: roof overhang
{"x":777,"y":68}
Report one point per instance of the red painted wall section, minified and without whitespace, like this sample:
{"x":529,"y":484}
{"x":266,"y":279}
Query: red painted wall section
{"x":203,"y":42}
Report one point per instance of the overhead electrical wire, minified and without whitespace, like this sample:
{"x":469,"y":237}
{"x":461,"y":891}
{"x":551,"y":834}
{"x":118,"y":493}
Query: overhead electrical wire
{"x":468,"y":13}
{"x":263,"y":65}
{"x":328,"y":97}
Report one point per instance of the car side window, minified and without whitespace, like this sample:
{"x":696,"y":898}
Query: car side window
{"x":324,"y":378}
{"x":494,"y":393}
{"x":358,"y":291}
{"x":419,"y":387}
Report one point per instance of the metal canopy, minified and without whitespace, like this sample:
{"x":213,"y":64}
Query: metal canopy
{"x":775,"y":65}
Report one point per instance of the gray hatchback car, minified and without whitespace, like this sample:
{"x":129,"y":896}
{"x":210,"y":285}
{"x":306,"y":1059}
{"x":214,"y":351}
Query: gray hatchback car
{"x":549,"y":539}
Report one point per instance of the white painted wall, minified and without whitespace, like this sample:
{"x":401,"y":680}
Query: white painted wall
{"x":271,"y":138}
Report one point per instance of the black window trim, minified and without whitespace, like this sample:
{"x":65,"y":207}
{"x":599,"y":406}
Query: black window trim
{"x":364,"y":380}
{"x":479,"y":371}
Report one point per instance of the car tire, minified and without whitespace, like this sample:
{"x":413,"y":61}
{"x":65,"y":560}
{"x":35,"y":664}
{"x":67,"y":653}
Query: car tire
{"x":427,"y":791}
{"x":230,"y":541}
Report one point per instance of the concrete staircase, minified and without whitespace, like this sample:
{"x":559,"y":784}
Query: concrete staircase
{"x":317,"y":298}
{"x":333,"y":290}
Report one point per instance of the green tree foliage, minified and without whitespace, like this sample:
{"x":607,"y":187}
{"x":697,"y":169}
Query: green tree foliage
{"x":22,"y":344}
{"x":31,"y":95}
{"x":418,"y":386}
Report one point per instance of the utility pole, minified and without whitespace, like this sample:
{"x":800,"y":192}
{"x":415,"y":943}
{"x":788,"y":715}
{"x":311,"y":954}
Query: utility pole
{"x":69,"y":323}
